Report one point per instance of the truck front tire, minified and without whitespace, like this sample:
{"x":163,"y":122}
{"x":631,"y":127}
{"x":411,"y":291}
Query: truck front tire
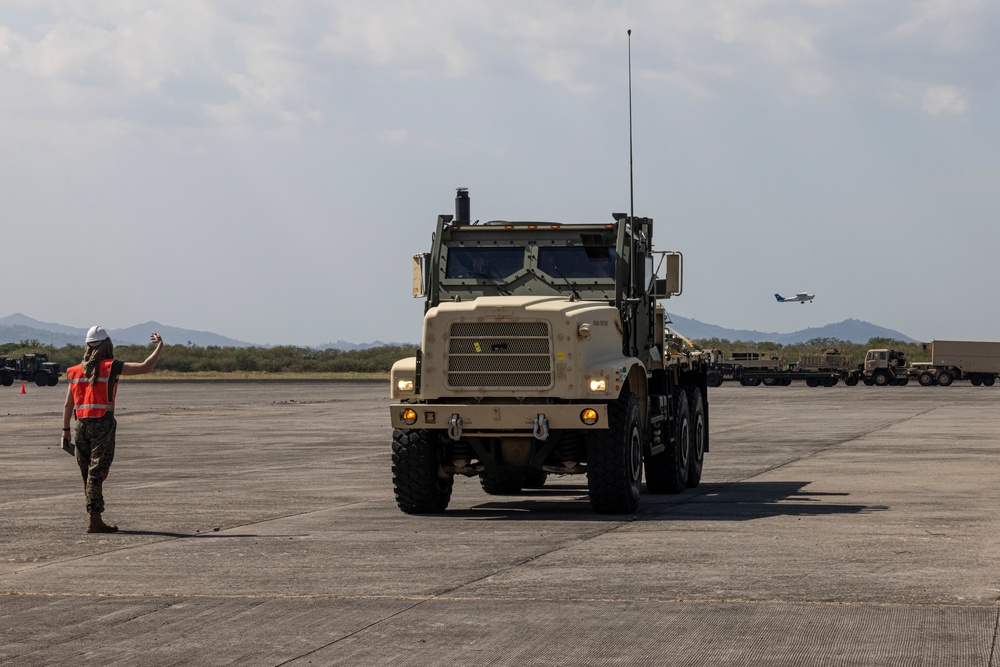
{"x":418,"y":487}
{"x":614,"y":459}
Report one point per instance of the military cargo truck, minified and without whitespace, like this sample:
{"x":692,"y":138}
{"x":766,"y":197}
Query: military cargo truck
{"x":975,"y":361}
{"x":30,"y":368}
{"x":545,"y":352}
{"x":883,"y":368}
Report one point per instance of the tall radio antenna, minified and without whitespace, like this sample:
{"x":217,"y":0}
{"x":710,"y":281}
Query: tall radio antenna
{"x":631,"y":185}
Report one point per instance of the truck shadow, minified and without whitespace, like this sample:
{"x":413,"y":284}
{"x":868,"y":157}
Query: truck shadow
{"x":732,"y":501}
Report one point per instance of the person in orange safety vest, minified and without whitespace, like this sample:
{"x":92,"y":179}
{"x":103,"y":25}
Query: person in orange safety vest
{"x":93,"y":385}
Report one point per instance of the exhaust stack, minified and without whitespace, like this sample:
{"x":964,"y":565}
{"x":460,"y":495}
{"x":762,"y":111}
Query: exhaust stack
{"x":463,"y":214}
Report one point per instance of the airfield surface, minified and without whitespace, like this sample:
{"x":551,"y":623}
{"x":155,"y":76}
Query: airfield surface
{"x":842,"y":526}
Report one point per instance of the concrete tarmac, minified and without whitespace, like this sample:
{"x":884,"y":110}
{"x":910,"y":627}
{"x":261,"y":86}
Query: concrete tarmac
{"x":840,"y":526}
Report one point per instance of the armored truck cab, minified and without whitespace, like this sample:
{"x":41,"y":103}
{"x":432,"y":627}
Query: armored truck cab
{"x":544,"y":351}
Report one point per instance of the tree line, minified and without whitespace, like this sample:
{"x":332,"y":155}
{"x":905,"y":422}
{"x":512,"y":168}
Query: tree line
{"x":290,"y":359}
{"x":215,"y":359}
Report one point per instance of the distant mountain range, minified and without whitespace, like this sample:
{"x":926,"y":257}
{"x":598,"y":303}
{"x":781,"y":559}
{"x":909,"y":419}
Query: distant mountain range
{"x":18,"y":327}
{"x":850,"y":331}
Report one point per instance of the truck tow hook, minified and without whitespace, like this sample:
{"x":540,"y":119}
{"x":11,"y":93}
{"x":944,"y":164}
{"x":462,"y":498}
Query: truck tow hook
{"x":541,"y":431}
{"x":455,"y":427}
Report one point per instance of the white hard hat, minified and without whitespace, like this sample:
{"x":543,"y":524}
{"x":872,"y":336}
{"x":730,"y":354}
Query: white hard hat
{"x":97,"y":334}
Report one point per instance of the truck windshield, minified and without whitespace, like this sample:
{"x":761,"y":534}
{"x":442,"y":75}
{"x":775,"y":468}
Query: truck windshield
{"x":485,"y":263}
{"x":577,"y":261}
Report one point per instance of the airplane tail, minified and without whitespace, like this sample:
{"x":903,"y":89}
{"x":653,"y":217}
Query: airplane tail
{"x":779,"y":298}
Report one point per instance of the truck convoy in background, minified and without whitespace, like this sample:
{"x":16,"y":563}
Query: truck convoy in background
{"x":951,"y":360}
{"x":751,"y":369}
{"x":545,"y":351}
{"x":29,"y":368}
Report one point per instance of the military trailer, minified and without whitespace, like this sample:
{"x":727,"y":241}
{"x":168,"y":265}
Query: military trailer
{"x":975,"y":361}
{"x":545,"y":352}
{"x":752,"y":369}
{"x":749,"y":368}
{"x":826,"y":368}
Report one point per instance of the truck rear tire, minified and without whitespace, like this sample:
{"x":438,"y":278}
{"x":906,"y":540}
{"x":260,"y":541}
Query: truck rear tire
{"x":713,"y":379}
{"x":41,"y":378}
{"x":667,"y":472}
{"x":944,"y":378}
{"x":925,"y":379}
{"x":415,"y":480}
{"x":614,"y":459}
{"x":696,"y":460}
{"x":976,"y":380}
{"x":989,"y":380}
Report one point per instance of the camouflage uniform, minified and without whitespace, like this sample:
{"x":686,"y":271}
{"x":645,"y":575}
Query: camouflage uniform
{"x":95,"y":449}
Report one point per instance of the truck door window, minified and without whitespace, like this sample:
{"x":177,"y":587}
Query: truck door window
{"x":484,"y":263}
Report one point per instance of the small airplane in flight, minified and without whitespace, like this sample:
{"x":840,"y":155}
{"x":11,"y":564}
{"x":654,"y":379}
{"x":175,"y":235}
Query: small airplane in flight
{"x":801,"y":297}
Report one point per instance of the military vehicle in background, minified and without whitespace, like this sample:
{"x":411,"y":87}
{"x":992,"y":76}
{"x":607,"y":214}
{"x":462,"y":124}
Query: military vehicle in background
{"x":975,"y":361}
{"x":29,"y":368}
{"x":883,"y":368}
{"x":545,"y":351}
{"x":751,"y":369}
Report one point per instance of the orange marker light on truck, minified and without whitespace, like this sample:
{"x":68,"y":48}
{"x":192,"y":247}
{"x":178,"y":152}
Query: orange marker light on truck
{"x":409,"y":416}
{"x":589,"y":416}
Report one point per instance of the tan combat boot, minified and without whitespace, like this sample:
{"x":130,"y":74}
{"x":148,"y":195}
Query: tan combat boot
{"x":97,"y":524}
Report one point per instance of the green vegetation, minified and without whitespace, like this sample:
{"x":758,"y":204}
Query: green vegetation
{"x":252,"y":362}
{"x":913,"y":351}
{"x":243,"y":361}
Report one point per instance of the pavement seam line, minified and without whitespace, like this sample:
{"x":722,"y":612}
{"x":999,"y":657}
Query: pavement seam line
{"x":354,"y":633}
{"x":838,"y":444}
{"x":445,"y":597}
{"x":996,"y":637}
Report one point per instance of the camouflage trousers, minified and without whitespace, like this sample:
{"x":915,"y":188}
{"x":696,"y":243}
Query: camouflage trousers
{"x":95,"y":450}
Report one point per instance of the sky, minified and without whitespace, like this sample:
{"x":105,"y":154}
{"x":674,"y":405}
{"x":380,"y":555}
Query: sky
{"x":266,"y":170}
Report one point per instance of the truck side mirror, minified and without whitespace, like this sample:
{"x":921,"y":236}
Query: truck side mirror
{"x":419,"y":284}
{"x":673,"y":282}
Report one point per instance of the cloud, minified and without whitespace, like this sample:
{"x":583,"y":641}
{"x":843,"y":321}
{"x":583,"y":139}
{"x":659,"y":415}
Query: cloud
{"x":944,"y":101}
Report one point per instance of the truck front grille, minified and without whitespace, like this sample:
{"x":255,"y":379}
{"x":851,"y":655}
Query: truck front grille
{"x":499,"y":355}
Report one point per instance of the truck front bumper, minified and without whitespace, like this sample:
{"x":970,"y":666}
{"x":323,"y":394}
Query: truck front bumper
{"x":493,"y":419}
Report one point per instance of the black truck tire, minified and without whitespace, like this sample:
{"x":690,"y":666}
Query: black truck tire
{"x":415,"y":480}
{"x":699,"y":435}
{"x":41,"y":378}
{"x":501,"y":483}
{"x":614,"y":459}
{"x":535,"y":479}
{"x":667,"y":472}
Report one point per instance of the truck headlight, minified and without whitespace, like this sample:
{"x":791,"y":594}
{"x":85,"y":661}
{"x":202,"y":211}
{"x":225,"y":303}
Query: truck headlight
{"x":404,"y":385}
{"x":409,"y":416}
{"x":598,"y":384}
{"x":589,"y":416}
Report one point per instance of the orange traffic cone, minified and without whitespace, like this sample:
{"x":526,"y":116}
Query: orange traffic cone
{"x":22,"y":389}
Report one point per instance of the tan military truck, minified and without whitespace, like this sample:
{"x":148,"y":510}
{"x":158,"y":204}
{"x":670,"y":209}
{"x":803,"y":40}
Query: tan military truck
{"x":975,"y":361}
{"x":883,"y":368}
{"x":544,"y":352}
